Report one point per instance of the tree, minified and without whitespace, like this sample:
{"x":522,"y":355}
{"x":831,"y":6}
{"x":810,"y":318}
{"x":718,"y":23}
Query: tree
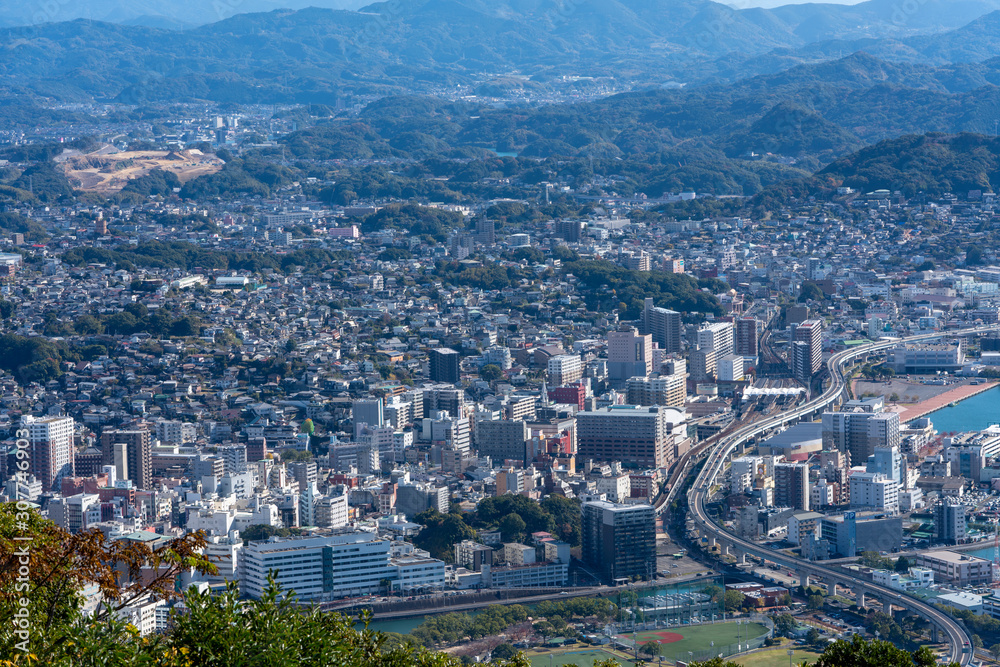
{"x":902,"y":564}
{"x":977,"y":641}
{"x":875,"y":653}
{"x":815,"y":601}
{"x":7,"y":308}
{"x":441,"y":533}
{"x":974,"y":256}
{"x":810,"y":292}
{"x":784,"y":624}
{"x":504,"y":651}
{"x":490,"y":372}
{"x":651,"y":648}
{"x":307,"y":426}
{"x":813,"y":636}
{"x":512,"y":527}
{"x":995,"y":651}
{"x":733,"y":600}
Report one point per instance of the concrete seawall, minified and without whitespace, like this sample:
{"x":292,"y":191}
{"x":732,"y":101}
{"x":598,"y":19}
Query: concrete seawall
{"x":944,"y":400}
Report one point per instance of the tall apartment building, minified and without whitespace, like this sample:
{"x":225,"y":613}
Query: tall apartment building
{"x":138,"y":453}
{"x":950,"y":521}
{"x":747,"y":337}
{"x":664,"y":325}
{"x":438,"y":398}
{"x":807,"y":360}
{"x":703,"y":363}
{"x":486,"y":233}
{"x":632,"y":434}
{"x":448,"y":432}
{"x":619,"y":541}
{"x":669,"y":390}
{"x":849,"y":431}
{"x":565,"y":369}
{"x":791,"y":485}
{"x":444,"y":365}
{"x":50,"y":445}
{"x":502,"y":440}
{"x":718,"y":336}
{"x":730,"y":368}
{"x":635,"y":261}
{"x":630,"y":354}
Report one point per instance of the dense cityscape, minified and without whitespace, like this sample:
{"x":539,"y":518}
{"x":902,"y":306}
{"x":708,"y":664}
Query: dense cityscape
{"x":438,"y":363}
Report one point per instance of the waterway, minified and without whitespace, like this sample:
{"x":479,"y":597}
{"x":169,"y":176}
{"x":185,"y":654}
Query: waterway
{"x":972,"y":414}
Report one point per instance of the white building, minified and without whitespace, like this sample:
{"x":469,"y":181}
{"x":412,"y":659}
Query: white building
{"x":50,"y":444}
{"x":875,"y":491}
{"x":565,"y":369}
{"x":916,"y":577}
{"x":730,"y":368}
{"x":319,"y":568}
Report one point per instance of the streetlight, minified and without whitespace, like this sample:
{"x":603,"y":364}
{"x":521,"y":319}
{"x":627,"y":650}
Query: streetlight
{"x":790,"y":654}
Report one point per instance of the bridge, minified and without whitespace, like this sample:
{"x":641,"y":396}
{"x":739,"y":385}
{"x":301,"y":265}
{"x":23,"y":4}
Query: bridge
{"x":958,"y":639}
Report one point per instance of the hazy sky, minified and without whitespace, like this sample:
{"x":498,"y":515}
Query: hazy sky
{"x":778,"y":3}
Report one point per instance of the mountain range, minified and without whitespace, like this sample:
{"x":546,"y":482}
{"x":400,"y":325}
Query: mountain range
{"x":320,"y":54}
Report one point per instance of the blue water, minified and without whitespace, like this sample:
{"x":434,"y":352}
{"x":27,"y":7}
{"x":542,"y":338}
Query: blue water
{"x":972,"y":414}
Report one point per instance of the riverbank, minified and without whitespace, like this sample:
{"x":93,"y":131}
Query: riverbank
{"x":924,"y":408}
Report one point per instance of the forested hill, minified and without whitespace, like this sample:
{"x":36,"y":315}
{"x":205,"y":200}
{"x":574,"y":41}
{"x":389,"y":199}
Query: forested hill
{"x":933,"y":164}
{"x":315,"y":54}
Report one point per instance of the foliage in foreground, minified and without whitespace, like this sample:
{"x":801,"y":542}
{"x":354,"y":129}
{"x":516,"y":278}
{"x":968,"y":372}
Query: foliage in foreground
{"x":214,"y":630}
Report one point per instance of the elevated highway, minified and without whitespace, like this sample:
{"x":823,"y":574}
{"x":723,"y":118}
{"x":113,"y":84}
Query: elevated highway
{"x":700,"y":492}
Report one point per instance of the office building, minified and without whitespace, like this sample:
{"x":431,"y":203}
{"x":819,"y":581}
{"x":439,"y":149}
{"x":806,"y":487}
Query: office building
{"x":76,"y":513}
{"x":664,"y":325}
{"x":852,"y":533}
{"x":807,"y":359}
{"x":630,"y":354}
{"x":955,"y":568}
{"x":791,"y":485}
{"x":444,"y":365}
{"x":635,"y":435}
{"x":950,"y":521}
{"x":367,"y":411}
{"x":415,"y":497}
{"x":50,"y":445}
{"x":619,"y":541}
{"x":747,"y":336}
{"x":564,"y":369}
{"x":138,"y":452}
{"x":873,"y":490}
{"x":318,"y":568}
{"x":886,"y":460}
{"x":502,"y":440}
{"x":926,"y":358}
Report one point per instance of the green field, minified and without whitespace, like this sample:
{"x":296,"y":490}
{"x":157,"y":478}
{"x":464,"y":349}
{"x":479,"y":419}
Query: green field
{"x":580,"y":658}
{"x":677,"y":642}
{"x":776,"y":658}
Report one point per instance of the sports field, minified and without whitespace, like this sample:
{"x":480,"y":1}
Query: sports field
{"x":580,"y":658}
{"x":679,"y":640}
{"x":776,"y":658}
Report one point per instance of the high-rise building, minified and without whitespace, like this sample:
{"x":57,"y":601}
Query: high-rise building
{"x":138,"y":453}
{"x":630,"y":354}
{"x":502,"y":440}
{"x":565,"y":369}
{"x":747,"y":336}
{"x":791,"y":485}
{"x":717,"y":336}
{"x":950,"y":521}
{"x":50,"y":444}
{"x":635,"y":435}
{"x":888,"y":461}
{"x":571,"y":230}
{"x":807,"y":361}
{"x":367,"y":411}
{"x":663,"y":324}
{"x":486,"y":233}
{"x":704,"y":364}
{"x":852,"y":431}
{"x":444,"y":365}
{"x":619,"y":540}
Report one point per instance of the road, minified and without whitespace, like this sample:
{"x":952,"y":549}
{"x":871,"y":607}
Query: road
{"x":959,"y":641}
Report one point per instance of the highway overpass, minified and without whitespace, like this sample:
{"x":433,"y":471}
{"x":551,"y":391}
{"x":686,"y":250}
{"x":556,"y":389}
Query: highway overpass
{"x":958,"y":638}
